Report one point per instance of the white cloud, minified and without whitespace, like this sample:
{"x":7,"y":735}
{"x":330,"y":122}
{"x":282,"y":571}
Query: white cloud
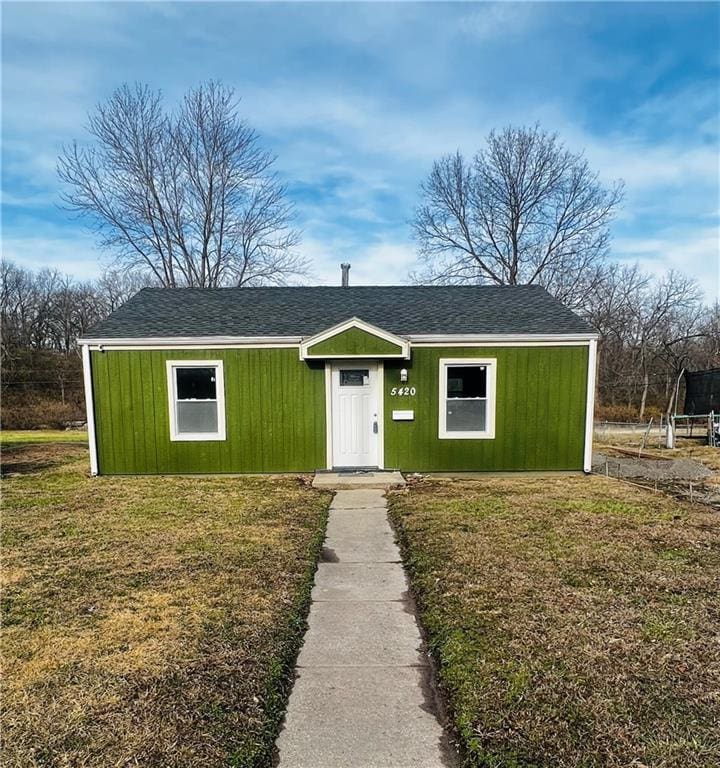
{"x":498,"y":21}
{"x":354,"y":123}
{"x":646,"y":166}
{"x":380,"y":263}
{"x":695,"y":252}
{"x":73,"y":253}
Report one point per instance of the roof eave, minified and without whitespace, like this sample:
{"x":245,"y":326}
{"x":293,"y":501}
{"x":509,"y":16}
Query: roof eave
{"x":478,"y":338}
{"x":271,"y":341}
{"x":190,"y":341}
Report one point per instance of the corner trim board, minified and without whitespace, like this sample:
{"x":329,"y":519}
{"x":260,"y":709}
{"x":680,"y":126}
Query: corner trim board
{"x":380,"y":394}
{"x":328,"y":416}
{"x":90,"y":409}
{"x":590,"y":406}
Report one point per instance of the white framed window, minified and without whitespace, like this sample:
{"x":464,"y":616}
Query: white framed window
{"x":196,"y":395}
{"x":467,"y":398}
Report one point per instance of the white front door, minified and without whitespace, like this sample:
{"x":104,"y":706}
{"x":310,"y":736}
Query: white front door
{"x":355,"y":422}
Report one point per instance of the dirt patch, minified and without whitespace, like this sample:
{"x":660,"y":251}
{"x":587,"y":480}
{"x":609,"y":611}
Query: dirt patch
{"x":649,"y":469}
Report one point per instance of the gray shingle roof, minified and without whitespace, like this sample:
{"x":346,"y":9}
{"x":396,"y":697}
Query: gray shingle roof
{"x":403,"y":310}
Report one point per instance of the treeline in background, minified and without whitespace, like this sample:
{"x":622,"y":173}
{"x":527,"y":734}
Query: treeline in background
{"x":187,"y":196}
{"x":651,"y":329}
{"x":43,"y":313}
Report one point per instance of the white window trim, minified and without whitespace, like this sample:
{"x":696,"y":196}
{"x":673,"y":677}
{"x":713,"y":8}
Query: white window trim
{"x":176,"y":436}
{"x":489,"y":432}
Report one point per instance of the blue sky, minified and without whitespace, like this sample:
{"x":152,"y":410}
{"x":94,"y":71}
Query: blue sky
{"x":357,"y":100}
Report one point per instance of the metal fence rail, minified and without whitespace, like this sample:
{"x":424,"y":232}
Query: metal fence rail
{"x":704,"y":426}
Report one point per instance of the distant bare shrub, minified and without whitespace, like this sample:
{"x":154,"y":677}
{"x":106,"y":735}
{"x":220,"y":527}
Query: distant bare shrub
{"x":23,"y":410}
{"x":625,"y":413}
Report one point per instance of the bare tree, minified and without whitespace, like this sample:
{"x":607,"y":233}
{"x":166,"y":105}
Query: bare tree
{"x":525,"y":210}
{"x":650,"y":329}
{"x":17,"y":305}
{"x":190,"y":197}
{"x":116,"y":286}
{"x":709,"y":350}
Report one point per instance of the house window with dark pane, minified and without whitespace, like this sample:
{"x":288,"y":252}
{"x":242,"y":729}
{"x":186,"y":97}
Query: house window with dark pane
{"x":466,"y":400}
{"x":198,"y":407}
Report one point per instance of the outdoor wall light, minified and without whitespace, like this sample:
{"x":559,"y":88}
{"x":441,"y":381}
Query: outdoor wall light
{"x":403,"y":375}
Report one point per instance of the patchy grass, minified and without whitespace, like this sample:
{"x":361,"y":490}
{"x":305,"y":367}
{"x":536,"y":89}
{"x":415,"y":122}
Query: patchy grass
{"x":149,"y":621}
{"x":575,"y":621}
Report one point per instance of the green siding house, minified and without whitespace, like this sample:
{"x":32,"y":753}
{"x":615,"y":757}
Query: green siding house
{"x":415,"y":378}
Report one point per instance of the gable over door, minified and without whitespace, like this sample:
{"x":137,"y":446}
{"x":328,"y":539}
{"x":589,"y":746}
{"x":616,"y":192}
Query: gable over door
{"x":354,"y":338}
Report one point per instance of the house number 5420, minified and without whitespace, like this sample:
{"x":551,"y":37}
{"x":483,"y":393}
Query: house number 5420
{"x":400,"y":391}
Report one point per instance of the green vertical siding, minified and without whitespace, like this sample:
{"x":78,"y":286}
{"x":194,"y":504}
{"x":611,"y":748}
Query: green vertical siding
{"x":274,"y":410}
{"x":539,"y":412}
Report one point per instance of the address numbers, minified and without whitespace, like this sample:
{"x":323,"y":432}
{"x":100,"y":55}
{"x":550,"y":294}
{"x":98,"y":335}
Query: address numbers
{"x":402,"y":391}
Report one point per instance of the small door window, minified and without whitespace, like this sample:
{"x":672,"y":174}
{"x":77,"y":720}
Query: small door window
{"x":355,"y":377}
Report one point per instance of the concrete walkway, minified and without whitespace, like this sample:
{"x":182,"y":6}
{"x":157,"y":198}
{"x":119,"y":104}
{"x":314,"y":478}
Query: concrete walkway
{"x":362,"y":696}
{"x":362,"y":479}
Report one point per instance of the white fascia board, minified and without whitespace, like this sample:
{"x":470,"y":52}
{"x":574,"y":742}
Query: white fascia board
{"x":184,"y":342}
{"x":354,"y":322}
{"x":496,"y":339}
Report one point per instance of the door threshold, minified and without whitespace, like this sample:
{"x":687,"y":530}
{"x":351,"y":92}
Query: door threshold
{"x":347,"y":471}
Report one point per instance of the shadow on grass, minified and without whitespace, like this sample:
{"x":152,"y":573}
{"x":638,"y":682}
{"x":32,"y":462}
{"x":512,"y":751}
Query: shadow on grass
{"x":33,"y":458}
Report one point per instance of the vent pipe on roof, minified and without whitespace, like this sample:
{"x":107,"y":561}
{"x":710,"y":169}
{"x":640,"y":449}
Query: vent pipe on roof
{"x":345,"y":275}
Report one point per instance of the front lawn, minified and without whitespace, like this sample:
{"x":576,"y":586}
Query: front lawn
{"x":575,"y":621}
{"x":149,"y":621}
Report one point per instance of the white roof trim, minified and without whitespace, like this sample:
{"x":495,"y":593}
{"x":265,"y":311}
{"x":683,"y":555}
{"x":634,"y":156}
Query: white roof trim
{"x":354,"y":322}
{"x":475,"y":338}
{"x":193,"y":341}
{"x":293,"y":341}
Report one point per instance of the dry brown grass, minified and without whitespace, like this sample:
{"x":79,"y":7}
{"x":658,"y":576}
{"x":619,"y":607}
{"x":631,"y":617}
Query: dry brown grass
{"x":27,"y":410}
{"x":149,"y":621}
{"x":575,"y":620}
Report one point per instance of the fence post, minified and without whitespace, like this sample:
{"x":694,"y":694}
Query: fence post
{"x":670,"y":433}
{"x":645,"y":437}
{"x":712,"y":441}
